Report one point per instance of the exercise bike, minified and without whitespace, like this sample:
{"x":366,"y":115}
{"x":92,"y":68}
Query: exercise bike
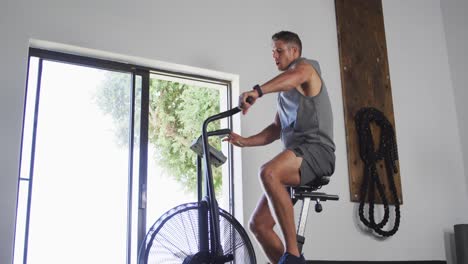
{"x":199,"y":232}
{"x":203,"y":233}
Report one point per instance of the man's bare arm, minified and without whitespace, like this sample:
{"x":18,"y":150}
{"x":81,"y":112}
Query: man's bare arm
{"x":299,"y":76}
{"x":265,"y":137}
{"x":289,"y":79}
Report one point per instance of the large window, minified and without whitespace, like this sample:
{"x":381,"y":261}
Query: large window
{"x":177,"y":108}
{"x":105,"y":152}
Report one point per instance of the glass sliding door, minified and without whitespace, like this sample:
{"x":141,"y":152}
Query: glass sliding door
{"x":105,"y":152}
{"x":78,"y":210}
{"x":177,"y":108}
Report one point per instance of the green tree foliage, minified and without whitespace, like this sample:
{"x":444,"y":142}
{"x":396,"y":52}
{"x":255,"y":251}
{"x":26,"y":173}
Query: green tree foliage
{"x":176,"y":114}
{"x":113,"y":98}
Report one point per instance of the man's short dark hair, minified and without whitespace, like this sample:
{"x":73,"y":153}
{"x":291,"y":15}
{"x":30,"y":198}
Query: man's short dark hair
{"x":289,"y":37}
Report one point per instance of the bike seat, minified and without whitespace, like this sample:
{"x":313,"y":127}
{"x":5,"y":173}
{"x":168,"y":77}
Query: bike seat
{"x":314,"y":185}
{"x":303,"y":191}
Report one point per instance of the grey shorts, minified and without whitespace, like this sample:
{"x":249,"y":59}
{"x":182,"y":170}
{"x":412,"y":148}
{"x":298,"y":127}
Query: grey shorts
{"x":318,"y":160}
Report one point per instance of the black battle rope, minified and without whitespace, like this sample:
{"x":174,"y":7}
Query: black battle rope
{"x":388,"y":151}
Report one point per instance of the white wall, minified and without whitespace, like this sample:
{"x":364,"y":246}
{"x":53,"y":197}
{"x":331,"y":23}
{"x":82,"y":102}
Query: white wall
{"x":456,"y":35}
{"x":455,"y":22}
{"x":234,"y":37}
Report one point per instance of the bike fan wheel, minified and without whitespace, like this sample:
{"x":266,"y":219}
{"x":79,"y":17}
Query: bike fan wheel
{"x":174,"y":238}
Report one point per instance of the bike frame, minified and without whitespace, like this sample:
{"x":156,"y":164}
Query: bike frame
{"x":209,"y":203}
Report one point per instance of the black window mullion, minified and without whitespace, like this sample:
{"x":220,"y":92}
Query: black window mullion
{"x":81,"y":60}
{"x":33,"y":155}
{"x":230,"y":155}
{"x":143,"y":169}
{"x":130,"y":168}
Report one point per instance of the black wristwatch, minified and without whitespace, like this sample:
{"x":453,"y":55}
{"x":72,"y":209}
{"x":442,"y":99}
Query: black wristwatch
{"x":259,"y":90}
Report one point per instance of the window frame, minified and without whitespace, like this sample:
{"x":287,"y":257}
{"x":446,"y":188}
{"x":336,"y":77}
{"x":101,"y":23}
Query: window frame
{"x":135,"y":70}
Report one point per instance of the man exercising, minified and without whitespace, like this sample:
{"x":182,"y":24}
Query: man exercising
{"x":304,"y":122}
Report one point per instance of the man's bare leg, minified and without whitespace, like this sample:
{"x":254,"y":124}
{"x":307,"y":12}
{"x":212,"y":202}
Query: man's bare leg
{"x":261,"y":225}
{"x":281,"y":171}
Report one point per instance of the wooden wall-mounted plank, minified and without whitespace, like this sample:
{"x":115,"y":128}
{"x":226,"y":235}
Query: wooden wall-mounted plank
{"x":365,"y":79}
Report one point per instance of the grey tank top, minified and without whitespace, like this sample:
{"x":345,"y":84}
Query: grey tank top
{"x":306,"y":119}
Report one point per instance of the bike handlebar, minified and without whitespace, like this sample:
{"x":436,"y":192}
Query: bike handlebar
{"x":220,"y":132}
{"x":224,"y":114}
